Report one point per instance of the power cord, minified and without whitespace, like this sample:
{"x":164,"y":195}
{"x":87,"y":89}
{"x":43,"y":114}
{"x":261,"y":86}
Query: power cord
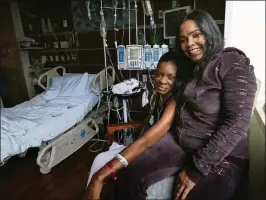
{"x":149,"y":75}
{"x":98,"y":140}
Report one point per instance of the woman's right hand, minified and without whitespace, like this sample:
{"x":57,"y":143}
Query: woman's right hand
{"x":94,"y":188}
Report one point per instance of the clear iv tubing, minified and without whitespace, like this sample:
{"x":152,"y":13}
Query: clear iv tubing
{"x":144,"y":27}
{"x":102,"y":25}
{"x":115,"y":30}
{"x":136,"y":13}
{"x":129,"y":40}
{"x":129,"y":30}
{"x":115,"y":16}
{"x":88,"y":8}
{"x":147,"y":9}
{"x":124,"y":7}
{"x":103,"y":33}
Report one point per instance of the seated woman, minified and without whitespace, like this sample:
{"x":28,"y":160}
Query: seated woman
{"x":158,"y":122}
{"x":213,"y":112}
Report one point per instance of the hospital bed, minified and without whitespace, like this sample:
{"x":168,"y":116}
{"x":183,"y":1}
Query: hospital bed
{"x":60,"y":125}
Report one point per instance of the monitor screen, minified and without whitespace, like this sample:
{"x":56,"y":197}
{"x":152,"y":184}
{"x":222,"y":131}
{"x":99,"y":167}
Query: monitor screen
{"x":172,"y":19}
{"x":134,"y":54}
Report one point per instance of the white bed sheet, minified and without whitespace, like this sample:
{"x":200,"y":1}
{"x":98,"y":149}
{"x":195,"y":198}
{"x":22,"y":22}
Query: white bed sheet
{"x":28,"y":124}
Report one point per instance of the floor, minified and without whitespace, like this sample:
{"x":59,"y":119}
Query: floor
{"x":20,"y":178}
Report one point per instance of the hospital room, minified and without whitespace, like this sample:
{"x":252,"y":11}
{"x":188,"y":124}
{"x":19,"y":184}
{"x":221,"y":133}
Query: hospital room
{"x":132,"y":99}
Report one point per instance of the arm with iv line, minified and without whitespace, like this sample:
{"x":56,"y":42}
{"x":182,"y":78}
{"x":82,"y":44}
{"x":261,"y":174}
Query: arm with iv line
{"x":133,"y":151}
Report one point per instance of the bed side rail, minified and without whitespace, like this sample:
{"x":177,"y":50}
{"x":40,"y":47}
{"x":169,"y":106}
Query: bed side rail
{"x":66,"y":144}
{"x":101,"y":77}
{"x":49,"y":74}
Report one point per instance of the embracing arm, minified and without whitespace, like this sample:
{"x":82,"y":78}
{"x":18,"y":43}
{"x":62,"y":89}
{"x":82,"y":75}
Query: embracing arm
{"x":238,"y":93}
{"x":149,"y":138}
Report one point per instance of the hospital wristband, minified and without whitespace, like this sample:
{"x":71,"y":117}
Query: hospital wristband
{"x":111,"y":167}
{"x":122,"y":160}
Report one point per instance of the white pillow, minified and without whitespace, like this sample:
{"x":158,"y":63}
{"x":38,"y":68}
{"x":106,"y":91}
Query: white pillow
{"x":67,"y":85}
{"x":89,"y":83}
{"x":74,"y":85}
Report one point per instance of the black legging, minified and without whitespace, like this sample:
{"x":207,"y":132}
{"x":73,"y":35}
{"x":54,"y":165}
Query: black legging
{"x":167,"y":158}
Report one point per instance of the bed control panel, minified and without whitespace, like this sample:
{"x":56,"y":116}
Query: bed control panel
{"x":69,"y":142}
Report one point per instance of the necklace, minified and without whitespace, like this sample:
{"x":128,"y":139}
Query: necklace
{"x":159,"y":110}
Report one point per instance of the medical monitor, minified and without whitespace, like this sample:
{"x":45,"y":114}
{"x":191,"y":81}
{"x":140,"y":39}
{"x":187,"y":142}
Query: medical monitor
{"x":172,"y":19}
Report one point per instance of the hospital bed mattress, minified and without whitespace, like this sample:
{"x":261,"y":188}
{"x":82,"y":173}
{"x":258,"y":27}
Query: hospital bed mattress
{"x":30,"y":123}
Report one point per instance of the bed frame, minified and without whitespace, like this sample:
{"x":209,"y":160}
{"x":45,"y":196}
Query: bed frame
{"x":56,"y":150}
{"x":53,"y":152}
{"x":47,"y":76}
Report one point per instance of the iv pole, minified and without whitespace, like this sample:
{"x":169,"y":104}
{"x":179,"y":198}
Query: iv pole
{"x":129,"y":30}
{"x":136,"y":18}
{"x":103,"y":33}
{"x":129,"y":26}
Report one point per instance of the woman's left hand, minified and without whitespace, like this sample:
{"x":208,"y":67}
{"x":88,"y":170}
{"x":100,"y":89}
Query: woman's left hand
{"x":184,"y":187}
{"x":94,"y":189}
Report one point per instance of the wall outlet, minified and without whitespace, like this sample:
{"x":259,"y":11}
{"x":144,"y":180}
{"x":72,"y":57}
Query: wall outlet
{"x":144,"y":78}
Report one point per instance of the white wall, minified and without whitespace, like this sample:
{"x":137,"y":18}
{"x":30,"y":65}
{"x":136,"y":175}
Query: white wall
{"x":245,"y":29}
